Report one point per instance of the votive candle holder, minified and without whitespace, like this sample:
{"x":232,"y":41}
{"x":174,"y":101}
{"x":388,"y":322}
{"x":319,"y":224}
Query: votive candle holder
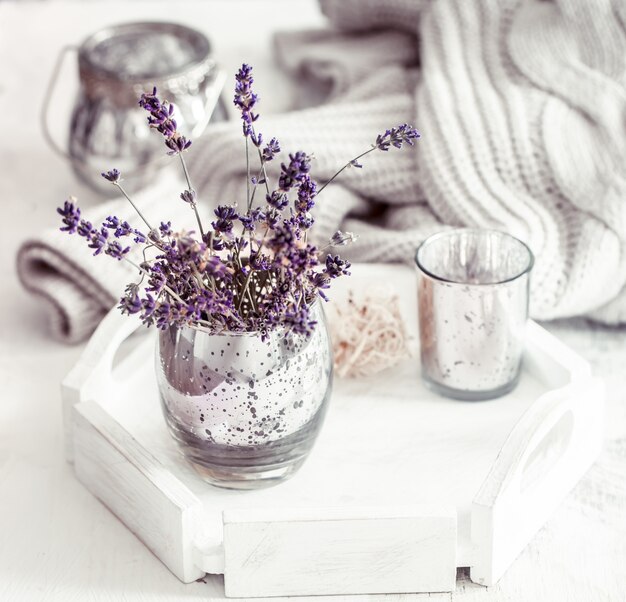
{"x":473,"y":297}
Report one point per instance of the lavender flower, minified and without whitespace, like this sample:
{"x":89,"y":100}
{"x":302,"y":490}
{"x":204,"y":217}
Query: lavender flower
{"x":189,"y":196}
{"x":245,"y":100}
{"x":162,"y":119}
{"x":340,"y":239}
{"x":225,"y":216}
{"x":98,"y":240}
{"x":112,"y":176}
{"x":335,"y":266}
{"x":166,"y":229}
{"x":84,"y":229}
{"x":71,"y":216}
{"x":300,"y":322}
{"x":299,"y":166}
{"x":397,"y":137}
{"x":272,"y":148}
{"x":115,"y":250}
{"x":307,"y":190}
{"x":254,"y":271}
{"x":177,"y":144}
{"x":279,"y":200}
{"x":150,"y":102}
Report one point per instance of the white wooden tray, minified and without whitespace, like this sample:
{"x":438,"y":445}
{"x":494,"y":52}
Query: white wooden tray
{"x":402,"y":486}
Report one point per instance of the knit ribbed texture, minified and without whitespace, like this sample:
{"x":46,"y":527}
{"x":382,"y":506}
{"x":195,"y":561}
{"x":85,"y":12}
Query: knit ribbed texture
{"x":522,"y":110}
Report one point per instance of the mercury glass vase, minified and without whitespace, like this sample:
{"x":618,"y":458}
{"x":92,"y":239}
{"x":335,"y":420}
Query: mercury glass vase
{"x":473,"y":305}
{"x":243,"y":411}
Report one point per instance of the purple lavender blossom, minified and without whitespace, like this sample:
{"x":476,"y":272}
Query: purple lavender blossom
{"x":299,"y":321}
{"x":161,"y":118}
{"x":304,"y":220}
{"x":307,"y":189}
{"x":397,"y":136}
{"x":71,"y":216}
{"x":165,"y":228}
{"x":98,"y":240}
{"x":271,"y":149}
{"x":335,"y":266}
{"x":245,"y":100}
{"x":150,"y":102}
{"x":254,"y":271}
{"x":217,"y":268}
{"x":340,"y":239}
{"x":84,"y":229}
{"x":279,"y":200}
{"x":112,"y":176}
{"x":177,"y":144}
{"x":299,"y":166}
{"x":115,"y":250}
{"x":257,"y":139}
{"x":130,"y":303}
{"x":321,"y":282}
{"x":225,"y":216}
{"x":189,"y":196}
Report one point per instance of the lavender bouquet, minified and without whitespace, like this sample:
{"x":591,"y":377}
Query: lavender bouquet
{"x":254,"y":269}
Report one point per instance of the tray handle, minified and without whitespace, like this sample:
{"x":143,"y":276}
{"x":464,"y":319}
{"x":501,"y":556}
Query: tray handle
{"x":546,"y":454}
{"x":94,"y":367}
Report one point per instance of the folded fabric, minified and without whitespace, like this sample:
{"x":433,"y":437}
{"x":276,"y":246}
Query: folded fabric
{"x":522,"y":110}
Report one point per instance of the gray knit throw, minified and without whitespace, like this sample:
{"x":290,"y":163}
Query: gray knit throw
{"x":522,"y":110}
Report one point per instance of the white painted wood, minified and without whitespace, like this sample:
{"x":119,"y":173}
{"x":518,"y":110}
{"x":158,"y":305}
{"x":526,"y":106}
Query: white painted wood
{"x":135,"y":487}
{"x":386,"y":439}
{"x":546,"y":454}
{"x":93,"y":370}
{"x":361,"y":551}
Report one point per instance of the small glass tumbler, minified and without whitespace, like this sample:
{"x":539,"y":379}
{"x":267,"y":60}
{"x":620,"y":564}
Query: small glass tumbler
{"x":473,"y":306}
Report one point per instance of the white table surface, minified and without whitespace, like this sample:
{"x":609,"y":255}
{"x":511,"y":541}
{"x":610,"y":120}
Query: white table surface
{"x":57,"y":542}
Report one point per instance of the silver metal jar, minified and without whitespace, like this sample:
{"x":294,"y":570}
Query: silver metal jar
{"x":245,"y":412}
{"x":115,"y":66}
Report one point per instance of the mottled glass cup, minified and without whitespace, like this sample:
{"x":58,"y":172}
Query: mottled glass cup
{"x":473,"y":290}
{"x":243,"y":411}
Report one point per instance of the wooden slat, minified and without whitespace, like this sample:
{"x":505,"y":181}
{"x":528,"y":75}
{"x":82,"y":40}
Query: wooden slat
{"x":315,"y":552}
{"x":150,"y":501}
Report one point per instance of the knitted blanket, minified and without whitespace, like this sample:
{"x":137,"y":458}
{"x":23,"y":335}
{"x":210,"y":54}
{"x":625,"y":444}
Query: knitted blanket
{"x":522,"y":109}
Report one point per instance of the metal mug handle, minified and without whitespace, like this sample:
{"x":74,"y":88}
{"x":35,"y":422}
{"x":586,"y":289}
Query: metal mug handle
{"x":59,"y":150}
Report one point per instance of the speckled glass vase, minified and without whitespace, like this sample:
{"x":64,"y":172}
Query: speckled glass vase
{"x":473,"y":306}
{"x":245,"y":412}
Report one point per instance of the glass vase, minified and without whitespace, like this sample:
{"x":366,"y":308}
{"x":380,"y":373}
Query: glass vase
{"x":245,"y":412}
{"x":473,"y":305}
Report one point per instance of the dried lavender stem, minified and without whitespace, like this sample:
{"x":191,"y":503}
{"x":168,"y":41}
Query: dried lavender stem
{"x":248,"y":176}
{"x":195,"y":208}
{"x":134,"y":206}
{"x":255,"y":187}
{"x":165,"y":287}
{"x":267,"y":187}
{"x":245,"y":290}
{"x":346,"y":166}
